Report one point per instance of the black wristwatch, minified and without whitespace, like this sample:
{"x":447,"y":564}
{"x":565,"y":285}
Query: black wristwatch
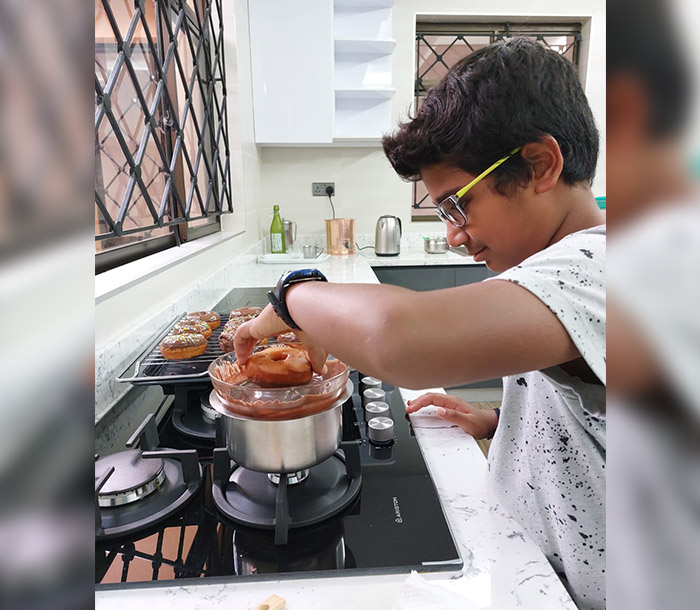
{"x":288,"y":279}
{"x":498,"y":418}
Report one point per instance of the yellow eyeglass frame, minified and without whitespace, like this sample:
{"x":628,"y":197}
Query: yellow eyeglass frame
{"x":453,"y":200}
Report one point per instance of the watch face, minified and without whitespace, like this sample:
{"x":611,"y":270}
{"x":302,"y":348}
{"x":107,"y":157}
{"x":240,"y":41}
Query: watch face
{"x":307,"y":273}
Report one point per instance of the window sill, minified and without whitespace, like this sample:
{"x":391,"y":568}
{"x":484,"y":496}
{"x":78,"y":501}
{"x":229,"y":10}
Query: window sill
{"x":114,"y":281}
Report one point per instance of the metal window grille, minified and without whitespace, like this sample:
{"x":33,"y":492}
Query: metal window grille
{"x":439,"y":46}
{"x":162,"y":167}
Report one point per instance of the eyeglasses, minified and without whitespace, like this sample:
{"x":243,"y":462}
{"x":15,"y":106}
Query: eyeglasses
{"x":449,"y":210}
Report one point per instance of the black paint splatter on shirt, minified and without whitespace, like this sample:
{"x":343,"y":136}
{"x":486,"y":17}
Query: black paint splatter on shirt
{"x":548,"y":455}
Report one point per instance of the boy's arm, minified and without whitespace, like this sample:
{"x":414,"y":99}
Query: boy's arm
{"x":436,"y":338}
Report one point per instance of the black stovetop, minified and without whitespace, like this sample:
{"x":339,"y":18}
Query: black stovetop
{"x":395,"y":525}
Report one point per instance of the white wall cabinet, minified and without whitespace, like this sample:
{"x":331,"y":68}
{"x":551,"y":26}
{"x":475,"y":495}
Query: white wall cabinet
{"x":321,"y":71}
{"x":290,"y":46}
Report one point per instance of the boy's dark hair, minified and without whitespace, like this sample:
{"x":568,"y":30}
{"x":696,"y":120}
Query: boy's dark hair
{"x":645,"y":44}
{"x":504,"y":95}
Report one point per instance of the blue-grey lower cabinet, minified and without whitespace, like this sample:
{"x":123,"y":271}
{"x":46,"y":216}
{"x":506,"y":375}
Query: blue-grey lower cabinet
{"x":435,"y":278}
{"x":432,"y":278}
{"x":417,"y":278}
{"x":472,"y":274}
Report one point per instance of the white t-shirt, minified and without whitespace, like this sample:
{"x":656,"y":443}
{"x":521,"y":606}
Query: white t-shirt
{"x":547,"y":459}
{"x":654,"y":275}
{"x":654,"y":546}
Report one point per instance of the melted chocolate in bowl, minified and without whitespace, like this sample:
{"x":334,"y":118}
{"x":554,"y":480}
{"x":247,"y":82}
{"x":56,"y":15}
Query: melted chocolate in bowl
{"x":245,"y":398}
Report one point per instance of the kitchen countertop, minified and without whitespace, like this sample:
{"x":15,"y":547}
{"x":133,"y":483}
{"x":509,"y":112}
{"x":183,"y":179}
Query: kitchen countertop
{"x":411,"y":252}
{"x":416,"y":256}
{"x":502,"y":566}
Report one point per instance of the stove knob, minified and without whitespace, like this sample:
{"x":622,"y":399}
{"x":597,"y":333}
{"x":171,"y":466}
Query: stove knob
{"x":369,"y":382}
{"x":372,"y":394}
{"x":376,"y":408}
{"x":380,"y":430}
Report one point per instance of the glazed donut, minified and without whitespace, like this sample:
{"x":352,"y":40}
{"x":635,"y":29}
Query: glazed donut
{"x":245,"y":312}
{"x":236,"y":319}
{"x":233,"y":323}
{"x":179,"y":347}
{"x":212,"y":318}
{"x":187,"y":326}
{"x":279,"y":366}
{"x":226,"y":339}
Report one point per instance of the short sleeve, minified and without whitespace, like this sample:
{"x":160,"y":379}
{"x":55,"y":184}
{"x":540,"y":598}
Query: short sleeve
{"x":569,"y":277}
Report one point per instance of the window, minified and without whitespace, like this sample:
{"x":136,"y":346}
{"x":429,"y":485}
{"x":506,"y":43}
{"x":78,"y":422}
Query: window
{"x":162,"y":173}
{"x":441,"y":45}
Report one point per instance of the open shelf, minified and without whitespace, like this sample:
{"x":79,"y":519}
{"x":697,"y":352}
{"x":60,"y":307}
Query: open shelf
{"x":361,"y":118}
{"x":358,"y":23}
{"x":363,"y":46}
{"x":377,"y":93}
{"x":362,"y":72}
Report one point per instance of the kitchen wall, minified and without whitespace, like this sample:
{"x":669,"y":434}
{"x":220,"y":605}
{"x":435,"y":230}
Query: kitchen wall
{"x":366,"y":185}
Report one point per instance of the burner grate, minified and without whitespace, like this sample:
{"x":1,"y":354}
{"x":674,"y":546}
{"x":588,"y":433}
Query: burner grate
{"x":183,"y":477}
{"x":251,"y":498}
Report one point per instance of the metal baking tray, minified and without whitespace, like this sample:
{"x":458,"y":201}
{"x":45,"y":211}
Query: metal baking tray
{"x":150,"y":368}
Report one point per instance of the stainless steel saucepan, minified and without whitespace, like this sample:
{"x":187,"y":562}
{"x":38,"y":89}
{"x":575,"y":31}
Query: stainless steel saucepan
{"x":283,"y":445}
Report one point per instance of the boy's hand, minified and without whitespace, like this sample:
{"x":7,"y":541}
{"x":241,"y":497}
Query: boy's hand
{"x":479,"y":423}
{"x":269,"y":324}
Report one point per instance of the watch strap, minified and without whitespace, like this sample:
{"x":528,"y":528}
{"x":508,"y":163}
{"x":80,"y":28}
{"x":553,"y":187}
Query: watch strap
{"x":497,"y":410}
{"x":281,"y":310}
{"x":277,"y":297}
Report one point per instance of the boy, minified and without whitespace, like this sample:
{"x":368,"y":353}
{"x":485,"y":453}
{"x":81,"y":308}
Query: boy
{"x":654,"y":352}
{"x":506,"y":146}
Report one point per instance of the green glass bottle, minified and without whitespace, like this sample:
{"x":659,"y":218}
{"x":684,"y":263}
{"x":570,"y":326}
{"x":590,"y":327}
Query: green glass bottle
{"x":277,"y":244}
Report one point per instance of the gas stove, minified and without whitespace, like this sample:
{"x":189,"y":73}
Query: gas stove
{"x":187,"y":514}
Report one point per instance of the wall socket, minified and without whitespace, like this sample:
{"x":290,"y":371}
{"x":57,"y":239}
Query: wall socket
{"x":318,"y":189}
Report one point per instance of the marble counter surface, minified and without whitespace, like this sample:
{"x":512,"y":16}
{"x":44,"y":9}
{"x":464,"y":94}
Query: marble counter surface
{"x":503,"y":568}
{"x":419,"y":258}
{"x":412,"y":253}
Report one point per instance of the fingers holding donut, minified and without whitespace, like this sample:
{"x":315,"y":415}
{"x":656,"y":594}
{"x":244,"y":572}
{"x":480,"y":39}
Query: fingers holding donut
{"x":248,"y":334}
{"x":279,"y":366}
{"x":317,"y":355}
{"x":268,"y":324}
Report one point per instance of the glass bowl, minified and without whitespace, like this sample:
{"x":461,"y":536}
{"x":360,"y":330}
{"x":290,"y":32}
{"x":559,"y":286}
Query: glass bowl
{"x":241,"y":396}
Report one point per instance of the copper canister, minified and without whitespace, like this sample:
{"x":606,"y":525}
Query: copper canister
{"x":340,"y":236}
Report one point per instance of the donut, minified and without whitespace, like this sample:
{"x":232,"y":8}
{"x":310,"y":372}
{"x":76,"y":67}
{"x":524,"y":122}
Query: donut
{"x":233,"y":323}
{"x":179,"y":347}
{"x":279,"y":366}
{"x":187,"y":326}
{"x":245,"y":312}
{"x":226,"y":339}
{"x":212,"y":318}
{"x":236,"y":318}
{"x":241,"y":315}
